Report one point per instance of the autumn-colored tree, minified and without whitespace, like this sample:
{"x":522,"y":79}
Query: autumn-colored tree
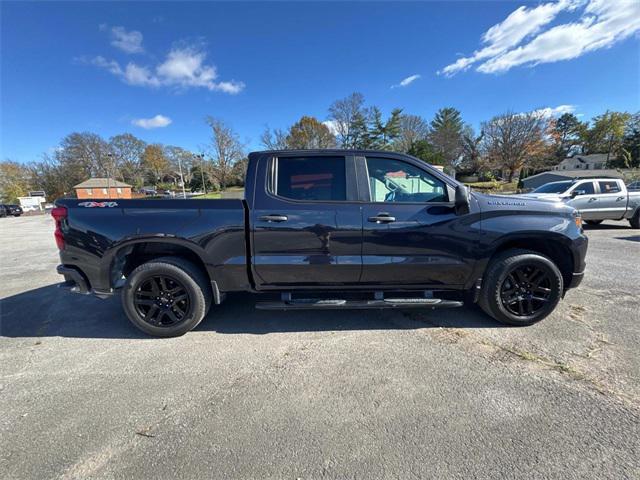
{"x":309,"y":133}
{"x":154,"y":161}
{"x":513,"y":140}
{"x":14,"y":181}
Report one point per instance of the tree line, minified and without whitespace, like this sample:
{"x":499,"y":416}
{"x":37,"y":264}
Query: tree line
{"x":505,"y":145}
{"x":82,"y":155}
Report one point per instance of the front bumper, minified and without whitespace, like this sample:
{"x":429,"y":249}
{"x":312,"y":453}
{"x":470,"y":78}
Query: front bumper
{"x":576,"y":279}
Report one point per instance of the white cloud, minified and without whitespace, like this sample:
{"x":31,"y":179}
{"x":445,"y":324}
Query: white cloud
{"x":184,"y":67}
{"x":110,"y":65}
{"x":407,"y":81}
{"x":548,"y":112}
{"x":332,"y":125}
{"x":139,"y":75}
{"x":130,"y":42}
{"x":601,"y":24}
{"x":158,"y":121}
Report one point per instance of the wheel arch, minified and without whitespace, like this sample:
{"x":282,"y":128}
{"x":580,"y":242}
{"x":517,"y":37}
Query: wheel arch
{"x":556,"y":250}
{"x":121,"y":260}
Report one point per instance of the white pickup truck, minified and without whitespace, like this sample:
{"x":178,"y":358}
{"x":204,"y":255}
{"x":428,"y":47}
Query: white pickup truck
{"x":597,"y":199}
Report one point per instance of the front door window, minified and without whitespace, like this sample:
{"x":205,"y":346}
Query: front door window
{"x":394,"y":181}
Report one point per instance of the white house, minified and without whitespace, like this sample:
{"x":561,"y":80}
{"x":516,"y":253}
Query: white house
{"x":595,"y":161}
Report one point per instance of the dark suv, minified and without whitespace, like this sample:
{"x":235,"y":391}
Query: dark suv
{"x":7,"y":209}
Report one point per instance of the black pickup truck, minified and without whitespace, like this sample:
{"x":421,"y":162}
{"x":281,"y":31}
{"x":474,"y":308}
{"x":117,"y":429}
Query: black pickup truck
{"x":328,"y":229}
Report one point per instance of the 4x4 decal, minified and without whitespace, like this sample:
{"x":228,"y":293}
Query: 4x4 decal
{"x":98,"y":204}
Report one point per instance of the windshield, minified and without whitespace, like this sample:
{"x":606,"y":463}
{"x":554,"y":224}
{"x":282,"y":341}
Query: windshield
{"x":556,"y":187}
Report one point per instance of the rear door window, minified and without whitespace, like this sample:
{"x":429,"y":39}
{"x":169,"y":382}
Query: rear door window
{"x":310,"y":178}
{"x":609,"y":186}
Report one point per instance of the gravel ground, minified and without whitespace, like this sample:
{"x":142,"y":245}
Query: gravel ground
{"x":360,"y":394}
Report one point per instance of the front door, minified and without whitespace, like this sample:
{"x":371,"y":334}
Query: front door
{"x":411,"y":234}
{"x":307,"y":223}
{"x":585,"y":199}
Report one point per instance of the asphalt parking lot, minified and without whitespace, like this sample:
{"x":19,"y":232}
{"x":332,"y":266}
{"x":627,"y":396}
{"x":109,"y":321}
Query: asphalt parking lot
{"x":360,"y":394}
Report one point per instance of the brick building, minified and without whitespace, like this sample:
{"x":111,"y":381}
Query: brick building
{"x":102,"y":188}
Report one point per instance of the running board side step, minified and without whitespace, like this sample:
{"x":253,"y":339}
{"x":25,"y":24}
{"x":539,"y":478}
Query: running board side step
{"x":338,"y":304}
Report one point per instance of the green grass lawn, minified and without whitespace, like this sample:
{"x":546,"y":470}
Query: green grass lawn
{"x":214,"y":195}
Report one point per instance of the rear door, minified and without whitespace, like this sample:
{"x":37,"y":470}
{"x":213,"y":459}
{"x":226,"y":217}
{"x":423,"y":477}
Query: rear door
{"x":306,"y":222}
{"x":411,"y":234}
{"x":612,"y":199}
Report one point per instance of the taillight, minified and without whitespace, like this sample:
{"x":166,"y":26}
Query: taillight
{"x":59,"y":214}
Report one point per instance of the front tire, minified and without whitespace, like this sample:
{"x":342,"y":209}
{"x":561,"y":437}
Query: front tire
{"x":520,"y":287}
{"x":635,"y":220}
{"x":166,"y":297}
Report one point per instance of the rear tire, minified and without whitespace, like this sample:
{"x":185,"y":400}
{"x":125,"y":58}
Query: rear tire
{"x":166,"y":297}
{"x":593,"y":222}
{"x":635,"y":220}
{"x":520,"y":287}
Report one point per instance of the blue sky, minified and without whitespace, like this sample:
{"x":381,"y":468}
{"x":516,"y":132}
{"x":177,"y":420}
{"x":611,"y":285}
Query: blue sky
{"x":157,"y":69}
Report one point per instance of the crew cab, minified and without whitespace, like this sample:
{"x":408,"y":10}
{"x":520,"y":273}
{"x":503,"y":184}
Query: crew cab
{"x":327,"y":229}
{"x":597,"y":199}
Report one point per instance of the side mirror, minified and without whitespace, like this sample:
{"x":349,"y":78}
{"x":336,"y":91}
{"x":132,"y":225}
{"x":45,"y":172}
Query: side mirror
{"x":575,"y":193}
{"x":461,"y":200}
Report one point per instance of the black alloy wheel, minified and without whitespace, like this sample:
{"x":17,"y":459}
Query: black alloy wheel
{"x":162,"y":301}
{"x":167,"y":296}
{"x":526,"y":290}
{"x":520,"y":287}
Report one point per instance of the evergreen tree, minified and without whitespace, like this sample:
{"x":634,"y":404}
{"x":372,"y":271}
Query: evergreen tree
{"x":446,"y":135}
{"x":381,"y":135}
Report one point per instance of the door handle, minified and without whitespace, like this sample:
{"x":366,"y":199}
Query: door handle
{"x":592,"y":199}
{"x":273,"y":218}
{"x":620,"y":198}
{"x":382,"y":218}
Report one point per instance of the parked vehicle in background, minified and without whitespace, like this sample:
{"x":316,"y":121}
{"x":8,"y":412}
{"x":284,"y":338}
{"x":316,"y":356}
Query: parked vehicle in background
{"x":33,"y":202}
{"x":11,"y":209}
{"x":327,"y":229}
{"x":149,"y":191}
{"x":3,"y":211}
{"x":634,"y":186}
{"x":597,"y":199}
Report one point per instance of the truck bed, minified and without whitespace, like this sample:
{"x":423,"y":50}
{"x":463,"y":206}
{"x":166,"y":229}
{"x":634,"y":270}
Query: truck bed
{"x":98,"y":233}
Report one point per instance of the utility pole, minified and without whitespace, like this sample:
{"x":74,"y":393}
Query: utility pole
{"x":110,"y":155}
{"x":204,"y":185}
{"x":184,"y":195}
